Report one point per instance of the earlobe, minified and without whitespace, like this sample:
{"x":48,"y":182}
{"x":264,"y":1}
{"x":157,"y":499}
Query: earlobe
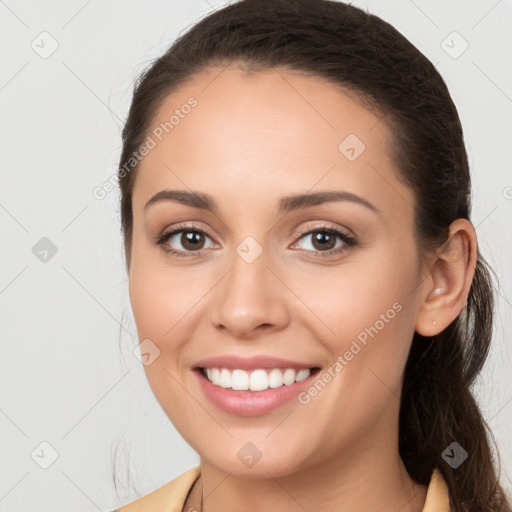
{"x":444,"y":292}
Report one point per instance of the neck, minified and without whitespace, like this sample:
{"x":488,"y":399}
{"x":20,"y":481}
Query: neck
{"x":368,"y":482}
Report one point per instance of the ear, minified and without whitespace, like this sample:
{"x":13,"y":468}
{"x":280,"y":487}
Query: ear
{"x":445,"y":290}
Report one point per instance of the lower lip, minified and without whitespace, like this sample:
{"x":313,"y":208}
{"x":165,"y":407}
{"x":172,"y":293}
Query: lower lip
{"x":251,"y":403}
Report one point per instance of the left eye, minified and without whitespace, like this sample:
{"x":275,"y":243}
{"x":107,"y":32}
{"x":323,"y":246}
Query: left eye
{"x":324,"y":239}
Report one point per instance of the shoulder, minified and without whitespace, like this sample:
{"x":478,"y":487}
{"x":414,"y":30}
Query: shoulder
{"x":438,"y":499}
{"x":169,"y":497}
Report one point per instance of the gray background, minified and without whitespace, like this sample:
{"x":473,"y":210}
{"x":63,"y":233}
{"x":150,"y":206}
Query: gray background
{"x":68,"y":376}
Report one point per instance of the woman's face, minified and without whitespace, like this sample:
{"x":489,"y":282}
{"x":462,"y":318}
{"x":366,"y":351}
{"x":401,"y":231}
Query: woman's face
{"x":262,"y":275}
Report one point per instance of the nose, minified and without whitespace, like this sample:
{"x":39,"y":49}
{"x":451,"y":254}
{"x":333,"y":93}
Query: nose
{"x":250,"y":299}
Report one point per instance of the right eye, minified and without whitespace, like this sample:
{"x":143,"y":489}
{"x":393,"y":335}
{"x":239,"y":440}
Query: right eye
{"x":191,"y":239}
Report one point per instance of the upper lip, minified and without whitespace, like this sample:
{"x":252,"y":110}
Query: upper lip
{"x":250,"y":363}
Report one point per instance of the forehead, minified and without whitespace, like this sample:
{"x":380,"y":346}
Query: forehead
{"x":253,"y":134}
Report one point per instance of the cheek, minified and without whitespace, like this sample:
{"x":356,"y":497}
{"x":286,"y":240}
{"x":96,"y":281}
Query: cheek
{"x":370,"y":330}
{"x":160,"y":313}
{"x":168,"y":305}
{"x":365,"y":317}
{"x":159,"y":296}
{"x":148,"y":304}
{"x":351,"y":301}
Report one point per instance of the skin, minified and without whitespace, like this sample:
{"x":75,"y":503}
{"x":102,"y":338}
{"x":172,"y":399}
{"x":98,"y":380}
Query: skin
{"x":251,"y":139}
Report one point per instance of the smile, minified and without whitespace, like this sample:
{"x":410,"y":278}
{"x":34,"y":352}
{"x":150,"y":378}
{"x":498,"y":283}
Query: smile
{"x":257,"y":380}
{"x":253,"y":392}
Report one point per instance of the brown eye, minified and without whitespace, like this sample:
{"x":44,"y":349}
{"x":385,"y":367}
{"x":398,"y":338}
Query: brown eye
{"x":324,"y":241}
{"x":183,"y":241}
{"x":192,"y":240}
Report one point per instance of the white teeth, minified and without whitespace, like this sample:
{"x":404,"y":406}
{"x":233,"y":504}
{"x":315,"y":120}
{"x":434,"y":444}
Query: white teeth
{"x":225,"y":378}
{"x":257,"y":380}
{"x":239,"y":379}
{"x":302,"y":374}
{"x":289,"y":376}
{"x":215,"y":377}
{"x":275,"y":378}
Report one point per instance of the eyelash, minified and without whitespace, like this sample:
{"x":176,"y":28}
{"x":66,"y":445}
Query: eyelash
{"x":348,"y":240}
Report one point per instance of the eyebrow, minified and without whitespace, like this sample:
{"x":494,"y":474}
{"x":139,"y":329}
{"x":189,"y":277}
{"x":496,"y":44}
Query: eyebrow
{"x":286,"y":204}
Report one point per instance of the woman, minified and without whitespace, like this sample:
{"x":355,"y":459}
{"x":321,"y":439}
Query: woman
{"x":304,"y":275}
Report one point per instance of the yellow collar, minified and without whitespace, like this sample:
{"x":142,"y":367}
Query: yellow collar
{"x":171,"y":496}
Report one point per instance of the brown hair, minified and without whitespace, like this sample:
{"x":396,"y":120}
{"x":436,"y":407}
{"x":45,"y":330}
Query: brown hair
{"x":366,"y":57}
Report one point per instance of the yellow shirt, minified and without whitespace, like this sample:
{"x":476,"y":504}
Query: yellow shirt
{"x":171,"y":496}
